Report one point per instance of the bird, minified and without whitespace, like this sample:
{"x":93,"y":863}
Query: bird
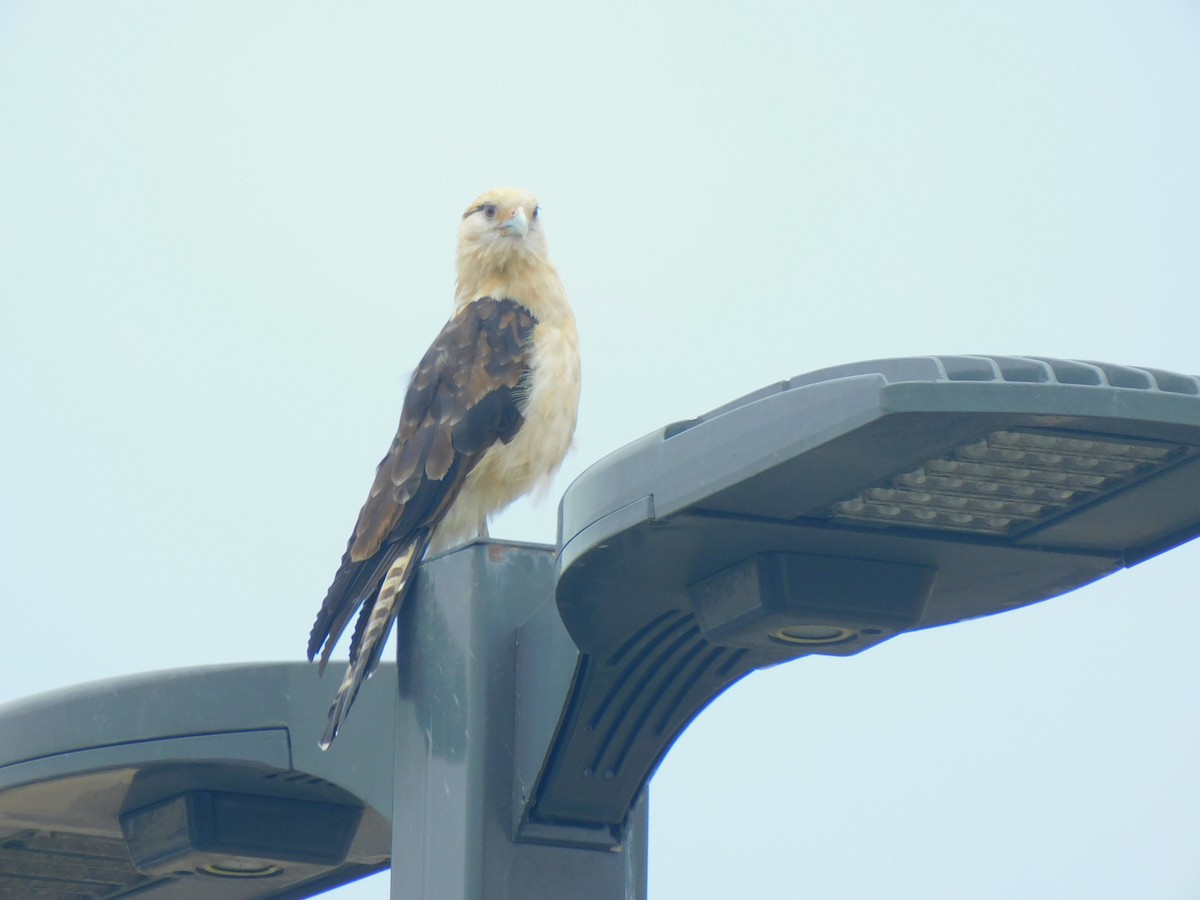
{"x":488,"y":416}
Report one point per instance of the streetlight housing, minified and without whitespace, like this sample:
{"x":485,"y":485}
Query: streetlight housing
{"x":536,"y":691}
{"x":830,"y":512}
{"x":195,"y":783}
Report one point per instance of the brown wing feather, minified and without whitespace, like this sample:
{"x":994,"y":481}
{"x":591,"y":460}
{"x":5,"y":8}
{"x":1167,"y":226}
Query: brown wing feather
{"x":465,"y":395}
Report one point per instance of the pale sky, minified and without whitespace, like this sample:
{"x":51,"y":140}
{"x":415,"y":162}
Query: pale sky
{"x":226,"y":237}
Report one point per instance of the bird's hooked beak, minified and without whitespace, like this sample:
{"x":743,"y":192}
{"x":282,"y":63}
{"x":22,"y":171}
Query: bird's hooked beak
{"x":519,"y":223}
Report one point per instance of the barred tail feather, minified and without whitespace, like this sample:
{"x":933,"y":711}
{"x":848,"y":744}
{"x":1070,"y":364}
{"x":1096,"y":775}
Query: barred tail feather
{"x":355,"y":582}
{"x":371,"y":636}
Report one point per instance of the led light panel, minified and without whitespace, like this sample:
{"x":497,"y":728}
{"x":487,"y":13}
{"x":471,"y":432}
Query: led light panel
{"x":1005,"y":482}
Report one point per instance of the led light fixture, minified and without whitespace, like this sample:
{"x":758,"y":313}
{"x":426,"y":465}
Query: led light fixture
{"x":1006,"y":482}
{"x":826,"y":514}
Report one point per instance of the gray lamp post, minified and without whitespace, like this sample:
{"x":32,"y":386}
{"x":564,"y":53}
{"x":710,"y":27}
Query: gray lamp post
{"x":539,"y":687}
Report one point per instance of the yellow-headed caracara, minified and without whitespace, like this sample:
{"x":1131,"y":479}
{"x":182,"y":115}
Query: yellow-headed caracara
{"x":488,"y":416}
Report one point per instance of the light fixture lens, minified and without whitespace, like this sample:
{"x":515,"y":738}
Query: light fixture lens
{"x":1005,"y":482}
{"x":813,"y":634}
{"x":240,"y":868}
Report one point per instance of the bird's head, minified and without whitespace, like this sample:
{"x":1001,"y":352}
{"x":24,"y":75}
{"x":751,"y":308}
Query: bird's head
{"x":500,"y":231}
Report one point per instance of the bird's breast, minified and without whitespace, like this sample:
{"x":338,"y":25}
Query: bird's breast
{"x":550,"y":408}
{"x":527,"y":462}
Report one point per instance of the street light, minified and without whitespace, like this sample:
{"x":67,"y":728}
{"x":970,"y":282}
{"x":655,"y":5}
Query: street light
{"x":199,"y":783}
{"x":537,"y":688}
{"x":828,"y":513}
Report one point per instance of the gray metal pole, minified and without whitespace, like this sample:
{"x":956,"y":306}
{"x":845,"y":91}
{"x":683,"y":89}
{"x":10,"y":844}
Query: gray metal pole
{"x":455,"y":741}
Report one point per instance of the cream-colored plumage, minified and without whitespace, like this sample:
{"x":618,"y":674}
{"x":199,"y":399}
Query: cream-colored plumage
{"x":489,"y":266}
{"x":489,"y":415}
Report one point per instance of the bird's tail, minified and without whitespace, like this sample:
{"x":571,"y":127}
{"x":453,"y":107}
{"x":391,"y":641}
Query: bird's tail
{"x":369,"y":644}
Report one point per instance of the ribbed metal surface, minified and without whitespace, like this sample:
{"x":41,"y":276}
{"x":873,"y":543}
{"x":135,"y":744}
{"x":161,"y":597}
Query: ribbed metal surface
{"x":1008,"y":369}
{"x":628,"y":707}
{"x":647,"y":681}
{"x":995,"y":369}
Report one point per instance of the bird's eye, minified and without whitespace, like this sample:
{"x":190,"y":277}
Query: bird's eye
{"x":536,"y":210}
{"x":489,"y":210}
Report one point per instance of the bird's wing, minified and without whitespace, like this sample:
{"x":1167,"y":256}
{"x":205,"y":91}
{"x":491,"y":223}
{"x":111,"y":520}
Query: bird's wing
{"x":466,"y":394}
